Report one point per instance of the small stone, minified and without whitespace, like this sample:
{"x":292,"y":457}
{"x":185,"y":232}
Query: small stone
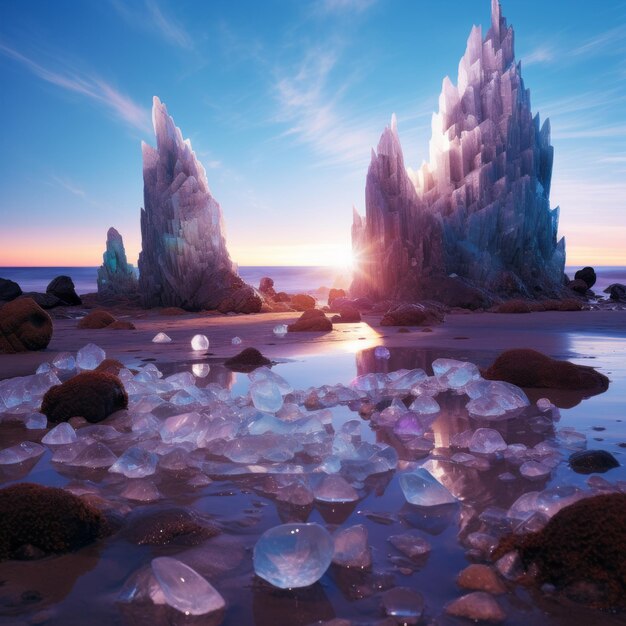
{"x":480,"y":578}
{"x":403,"y":604}
{"x":351,"y":547}
{"x":592,"y":461}
{"x":411,"y":545}
{"x":477,"y":606}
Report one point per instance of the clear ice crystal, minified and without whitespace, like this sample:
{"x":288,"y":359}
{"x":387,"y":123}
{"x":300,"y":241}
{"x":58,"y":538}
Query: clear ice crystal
{"x":293,"y":555}
{"x":235,"y":341}
{"x":487,"y":441}
{"x":89,"y":357}
{"x":200,"y":342}
{"x":36,"y":421}
{"x":421,"y":488}
{"x":94,"y":456}
{"x":335,"y":488}
{"x":136,"y":462}
{"x":280,"y":330}
{"x":265,"y":373}
{"x":184,"y":589}
{"x":200,"y":370}
{"x":161,"y":338}
{"x":266,"y":395}
{"x":21,"y":452}
{"x":380,"y":352}
{"x":64,"y":361}
{"x":60,"y":435}
{"x":425,"y":405}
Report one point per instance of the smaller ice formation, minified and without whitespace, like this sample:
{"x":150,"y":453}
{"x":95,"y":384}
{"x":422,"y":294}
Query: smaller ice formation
{"x":116,"y":277}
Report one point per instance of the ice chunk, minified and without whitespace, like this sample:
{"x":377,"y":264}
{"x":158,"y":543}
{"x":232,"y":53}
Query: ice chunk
{"x":44,"y":368}
{"x":487,"y":441}
{"x":334,"y":488}
{"x":235,"y":341}
{"x":408,"y":380}
{"x":135,"y":463}
{"x":200,"y":342}
{"x":60,"y":435}
{"x":64,"y":361}
{"x":420,"y":487}
{"x":266,"y":396}
{"x":89,"y":357}
{"x":534,"y":470}
{"x":184,"y":589}
{"x":455,"y":374}
{"x":280,"y":330}
{"x":179,"y":428}
{"x":380,"y":352}
{"x":161,"y":338}
{"x":351,"y":547}
{"x":544,"y":404}
{"x":200,"y":370}
{"x":141,"y":491}
{"x":95,"y":456}
{"x":425,"y":405}
{"x":36,"y":421}
{"x":293,"y":555}
{"x":410,"y":544}
{"x":21,"y":452}
{"x":409,"y":425}
{"x":265,"y":373}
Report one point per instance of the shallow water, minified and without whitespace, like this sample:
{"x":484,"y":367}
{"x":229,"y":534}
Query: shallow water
{"x":83,"y":587}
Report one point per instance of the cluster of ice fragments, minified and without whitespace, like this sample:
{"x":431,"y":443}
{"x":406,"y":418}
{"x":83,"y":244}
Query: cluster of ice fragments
{"x":184,"y":261}
{"x":301,"y":448}
{"x":480,"y":208}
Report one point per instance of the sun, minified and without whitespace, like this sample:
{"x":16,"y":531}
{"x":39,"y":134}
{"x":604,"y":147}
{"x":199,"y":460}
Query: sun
{"x":340,"y":258}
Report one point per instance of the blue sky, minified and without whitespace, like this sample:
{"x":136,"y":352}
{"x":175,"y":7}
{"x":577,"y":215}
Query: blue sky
{"x":282,"y":101}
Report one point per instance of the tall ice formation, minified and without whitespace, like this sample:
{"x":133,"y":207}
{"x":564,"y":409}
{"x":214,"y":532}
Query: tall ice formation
{"x":480,"y":209}
{"x":184,"y":261}
{"x":116,"y":277}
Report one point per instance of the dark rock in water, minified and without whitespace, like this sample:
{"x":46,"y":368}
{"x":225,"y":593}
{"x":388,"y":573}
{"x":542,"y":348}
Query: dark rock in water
{"x":478,"y":607}
{"x":529,"y":368}
{"x":333,"y":294}
{"x":587,"y":274}
{"x":592,"y":461}
{"x":579,"y":286}
{"x":44,"y":300}
{"x":347,"y":315}
{"x":115,"y":276}
{"x":303,"y":302}
{"x":311,"y":320}
{"x":96,"y":320}
{"x":246,"y":361}
{"x":63,"y":288}
{"x":583,"y":544}
{"x":266,"y":287}
{"x":24,"y":326}
{"x":412,"y":315}
{"x":242,"y":300}
{"x":9,"y":290}
{"x":616,"y":291}
{"x":92,"y":395}
{"x":37,"y":520}
{"x":170,"y":526}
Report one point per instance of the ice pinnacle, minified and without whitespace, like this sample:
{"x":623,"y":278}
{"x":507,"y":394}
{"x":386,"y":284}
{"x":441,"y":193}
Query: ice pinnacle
{"x":115,"y":276}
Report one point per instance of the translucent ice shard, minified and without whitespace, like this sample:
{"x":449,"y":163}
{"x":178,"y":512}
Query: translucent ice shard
{"x":423,"y":489}
{"x":36,"y":421}
{"x":135,"y":463}
{"x":61,"y":434}
{"x":200,"y":342}
{"x":280,"y":330}
{"x":293,"y":555}
{"x":64,"y":361}
{"x":89,"y":357}
{"x":380,"y":352}
{"x":266,"y":396}
{"x":161,"y":338}
{"x":184,"y":589}
{"x":21,"y":452}
{"x":235,"y":341}
{"x":334,"y":488}
{"x":487,"y":441}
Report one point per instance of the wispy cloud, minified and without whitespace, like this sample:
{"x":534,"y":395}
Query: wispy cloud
{"x":68,"y":185}
{"x":612,"y":40}
{"x":343,"y":6}
{"x":151,"y":15}
{"x":94,"y":88}
{"x":541,"y":54}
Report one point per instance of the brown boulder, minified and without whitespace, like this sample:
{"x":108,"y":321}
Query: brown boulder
{"x":63,"y":288}
{"x":242,"y":300}
{"x":172,"y":310}
{"x":44,"y":300}
{"x":312,"y":320}
{"x":121,"y":325}
{"x":282,"y":296}
{"x":580,"y":551}
{"x":333,"y":294}
{"x":266,"y":287}
{"x":347,"y":315}
{"x":246,"y":361}
{"x":528,"y":368}
{"x":96,"y":320}
{"x":587,"y":274}
{"x":92,"y":395}
{"x":9,"y":289}
{"x":412,"y":315}
{"x":579,"y":286}
{"x":45,"y":520}
{"x":303,"y":302}
{"x":24,"y":326}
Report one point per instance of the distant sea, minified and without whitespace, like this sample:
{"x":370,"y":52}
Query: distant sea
{"x":292,"y":279}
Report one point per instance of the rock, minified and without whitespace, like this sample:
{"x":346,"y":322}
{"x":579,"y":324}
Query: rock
{"x":347,"y":315}
{"x":121,"y":325}
{"x":579,"y":286}
{"x":96,"y":320}
{"x":466,"y":214}
{"x":92,"y":395}
{"x":247,"y":360}
{"x":266,"y":287}
{"x":481,"y":578}
{"x":174,"y":526}
{"x":242,"y":300}
{"x":170,"y":311}
{"x":9,"y":290}
{"x":616,"y":291}
{"x":404,"y":605}
{"x":583,"y":543}
{"x":412,"y":315}
{"x":184,"y":261}
{"x":115,"y":276}
{"x":514,"y":306}
{"x":63,"y":288}
{"x":281,"y":296}
{"x":44,"y":300}
{"x":333,"y":294}
{"x":303,"y":302}
{"x":477,"y":606}
{"x":586,"y":274}
{"x":592,"y":461}
{"x":24,"y":326}
{"x":49,"y":519}
{"x":529,"y":368}
{"x":111,"y":366}
{"x":311,"y":320}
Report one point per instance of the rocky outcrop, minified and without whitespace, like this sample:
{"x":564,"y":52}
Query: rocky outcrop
{"x":92,"y":395}
{"x":311,"y":320}
{"x":184,"y":261}
{"x":480,"y":209}
{"x":242,"y":300}
{"x":63,"y":288}
{"x":302,"y":302}
{"x":616,"y":291}
{"x":588,"y":275}
{"x":115,"y":276}
{"x":24,"y":326}
{"x":412,"y":315}
{"x":266,"y":287}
